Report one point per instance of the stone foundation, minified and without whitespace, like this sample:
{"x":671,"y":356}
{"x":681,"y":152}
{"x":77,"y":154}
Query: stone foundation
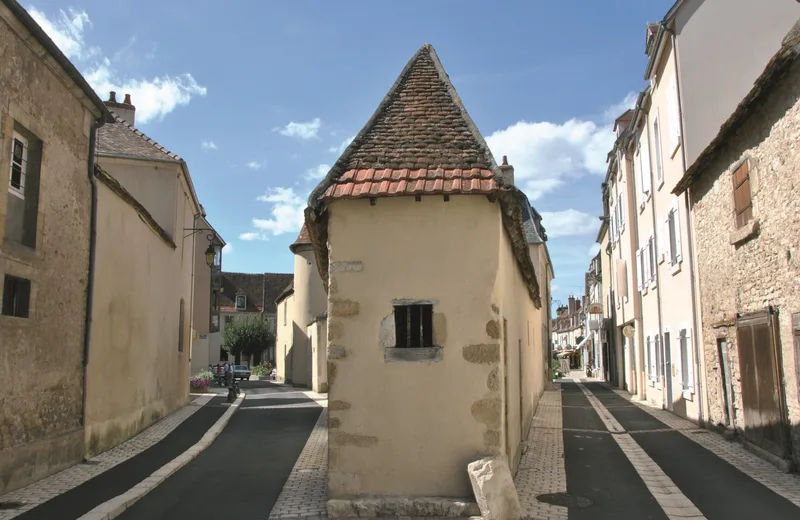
{"x":419,"y":507}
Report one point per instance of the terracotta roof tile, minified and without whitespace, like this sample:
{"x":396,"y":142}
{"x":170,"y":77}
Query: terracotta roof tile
{"x":355,"y":184}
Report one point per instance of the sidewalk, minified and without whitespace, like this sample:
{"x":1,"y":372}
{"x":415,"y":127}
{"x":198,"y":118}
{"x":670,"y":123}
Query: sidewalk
{"x":80,"y":488}
{"x":595,"y":453}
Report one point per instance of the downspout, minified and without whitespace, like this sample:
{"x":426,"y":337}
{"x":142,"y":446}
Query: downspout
{"x":699,"y":374}
{"x":87,"y":331}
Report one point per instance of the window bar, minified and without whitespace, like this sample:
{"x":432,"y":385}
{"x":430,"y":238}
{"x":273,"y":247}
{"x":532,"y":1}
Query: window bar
{"x":408,"y":326}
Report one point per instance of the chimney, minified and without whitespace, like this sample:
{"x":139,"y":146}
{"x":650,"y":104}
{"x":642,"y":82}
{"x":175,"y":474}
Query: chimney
{"x":508,"y":171}
{"x":571,"y":305}
{"x":125,"y":110}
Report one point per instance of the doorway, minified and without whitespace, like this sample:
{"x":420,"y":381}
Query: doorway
{"x":763,"y":399}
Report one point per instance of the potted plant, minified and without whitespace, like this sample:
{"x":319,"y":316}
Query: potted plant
{"x":201,"y":382}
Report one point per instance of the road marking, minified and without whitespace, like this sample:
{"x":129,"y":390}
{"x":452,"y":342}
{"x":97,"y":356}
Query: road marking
{"x":674,"y":503}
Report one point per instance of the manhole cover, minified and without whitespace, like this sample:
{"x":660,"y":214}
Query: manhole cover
{"x":11,"y":504}
{"x":564,"y":500}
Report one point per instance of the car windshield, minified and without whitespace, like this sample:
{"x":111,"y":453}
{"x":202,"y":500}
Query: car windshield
{"x":240,"y":367}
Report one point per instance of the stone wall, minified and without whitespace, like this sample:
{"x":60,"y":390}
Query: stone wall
{"x":41,"y":374}
{"x":762,"y":270}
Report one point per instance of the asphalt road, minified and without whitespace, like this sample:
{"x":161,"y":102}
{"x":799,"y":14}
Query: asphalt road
{"x":241,"y":474}
{"x":602,"y":483}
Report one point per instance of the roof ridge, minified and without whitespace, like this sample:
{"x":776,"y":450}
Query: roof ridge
{"x":341,"y":164}
{"x":145,"y":137}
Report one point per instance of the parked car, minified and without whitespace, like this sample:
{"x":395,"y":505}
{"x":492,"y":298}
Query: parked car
{"x":241,"y":372}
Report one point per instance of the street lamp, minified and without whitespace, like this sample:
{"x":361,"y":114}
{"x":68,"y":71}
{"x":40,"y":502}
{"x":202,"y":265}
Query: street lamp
{"x":211,"y":254}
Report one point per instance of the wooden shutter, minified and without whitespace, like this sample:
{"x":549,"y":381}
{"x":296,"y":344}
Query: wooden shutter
{"x":742,"y":201}
{"x":674,"y":115}
{"x":678,"y":253}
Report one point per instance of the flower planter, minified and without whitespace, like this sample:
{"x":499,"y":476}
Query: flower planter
{"x":198,"y":389}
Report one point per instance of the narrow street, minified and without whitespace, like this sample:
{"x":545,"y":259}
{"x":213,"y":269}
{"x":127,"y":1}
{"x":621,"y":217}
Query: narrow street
{"x":620,"y":461}
{"x":242,"y":473}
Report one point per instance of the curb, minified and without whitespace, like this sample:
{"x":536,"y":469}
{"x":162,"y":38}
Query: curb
{"x":117,"y":505}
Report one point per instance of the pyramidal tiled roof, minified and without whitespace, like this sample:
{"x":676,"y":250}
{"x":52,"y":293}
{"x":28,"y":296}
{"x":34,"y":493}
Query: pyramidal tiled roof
{"x":420,"y":141}
{"x":121,"y":139}
{"x":303,"y":239}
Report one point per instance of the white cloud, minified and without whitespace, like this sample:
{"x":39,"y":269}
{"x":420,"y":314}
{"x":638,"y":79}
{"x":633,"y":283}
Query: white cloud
{"x":256,"y":165}
{"x":154,"y":98}
{"x":307,"y":130}
{"x":554,"y":287}
{"x":342,"y":147}
{"x":286,"y":214}
{"x":594,"y":250}
{"x":569,"y":222}
{"x":227,"y":249}
{"x":317,"y":172}
{"x":614,"y":111}
{"x":546,"y":155}
{"x":208,"y":145}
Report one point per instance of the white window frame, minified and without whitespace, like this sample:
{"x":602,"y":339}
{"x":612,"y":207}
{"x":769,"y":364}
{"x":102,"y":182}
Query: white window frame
{"x":19,"y":192}
{"x":621,"y":206}
{"x":673,"y":256}
{"x":659,"y":358}
{"x":651,"y":257}
{"x":659,"y":153}
{"x":651,"y":358}
{"x":639,"y":273}
{"x":687,"y":361}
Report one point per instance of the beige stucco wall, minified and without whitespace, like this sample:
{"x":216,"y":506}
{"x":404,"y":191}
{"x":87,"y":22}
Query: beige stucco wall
{"x":445,"y":413}
{"x":763,"y":270}
{"x":716,"y":37}
{"x":41,"y":375}
{"x":136,"y":373}
{"x":674,"y":281}
{"x":154,"y":185}
{"x":284,"y":338}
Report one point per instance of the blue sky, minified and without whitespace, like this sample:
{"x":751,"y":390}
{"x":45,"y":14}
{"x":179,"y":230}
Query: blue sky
{"x":259,"y":97}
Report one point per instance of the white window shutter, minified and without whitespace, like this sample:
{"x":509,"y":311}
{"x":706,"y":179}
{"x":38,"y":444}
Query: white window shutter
{"x":678,"y":253}
{"x":674,"y":115}
{"x":646,"y":266}
{"x":639,"y":269}
{"x":622,"y":210}
{"x":690,"y":352}
{"x":652,"y":257}
{"x":646,"y":173}
{"x":667,"y":241}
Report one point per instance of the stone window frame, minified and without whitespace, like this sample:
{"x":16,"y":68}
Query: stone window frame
{"x":432,"y":353}
{"x":17,"y":284}
{"x":744,"y":227}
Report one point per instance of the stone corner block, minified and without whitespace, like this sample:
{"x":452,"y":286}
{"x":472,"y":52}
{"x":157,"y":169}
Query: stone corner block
{"x":494,"y":489}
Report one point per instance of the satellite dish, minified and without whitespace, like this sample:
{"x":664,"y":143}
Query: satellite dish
{"x":627,"y":331}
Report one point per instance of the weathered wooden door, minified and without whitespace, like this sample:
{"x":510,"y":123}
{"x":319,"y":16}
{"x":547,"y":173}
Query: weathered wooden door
{"x":763,"y":400}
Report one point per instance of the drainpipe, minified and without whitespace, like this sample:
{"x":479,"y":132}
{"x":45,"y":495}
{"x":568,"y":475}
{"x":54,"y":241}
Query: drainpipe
{"x":87,"y":331}
{"x":699,"y":374}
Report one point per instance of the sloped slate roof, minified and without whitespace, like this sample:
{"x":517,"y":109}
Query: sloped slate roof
{"x":121,"y":139}
{"x":261,"y":289}
{"x":420,"y":141}
{"x":285,"y":293}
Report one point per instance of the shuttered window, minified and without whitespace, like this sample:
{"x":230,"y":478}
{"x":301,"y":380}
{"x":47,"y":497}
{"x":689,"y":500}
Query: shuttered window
{"x":742,"y":202}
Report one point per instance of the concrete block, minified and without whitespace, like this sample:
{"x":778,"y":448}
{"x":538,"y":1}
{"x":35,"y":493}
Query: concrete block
{"x":494,"y":489}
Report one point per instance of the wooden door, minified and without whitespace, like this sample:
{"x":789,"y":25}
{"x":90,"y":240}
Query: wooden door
{"x":763,"y":401}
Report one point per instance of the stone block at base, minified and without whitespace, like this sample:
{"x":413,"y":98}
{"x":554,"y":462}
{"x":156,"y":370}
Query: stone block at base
{"x":494,"y":489}
{"x":420,"y":507}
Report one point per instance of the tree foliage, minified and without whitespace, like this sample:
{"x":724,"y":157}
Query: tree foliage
{"x":247,"y":336}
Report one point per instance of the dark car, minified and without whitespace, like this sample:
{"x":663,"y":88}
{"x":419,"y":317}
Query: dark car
{"x":241,"y":372}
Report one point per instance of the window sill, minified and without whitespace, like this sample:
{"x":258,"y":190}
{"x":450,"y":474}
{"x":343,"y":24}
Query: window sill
{"x":675,"y":150}
{"x":653,"y":285}
{"x":675,"y":269}
{"x":424,"y":354}
{"x":660,"y":184}
{"x":13,"y":322}
{"x":745,"y":232}
{"x":688,"y":394}
{"x":19,"y":252}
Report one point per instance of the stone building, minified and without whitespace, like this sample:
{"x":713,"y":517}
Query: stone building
{"x":745,"y":211}
{"x":251,"y":295}
{"x":435,"y":316}
{"x":48,"y":114}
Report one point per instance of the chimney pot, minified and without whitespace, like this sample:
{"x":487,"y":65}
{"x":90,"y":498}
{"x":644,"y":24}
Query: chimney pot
{"x":112,"y":97}
{"x":128,"y":99}
{"x":505,"y":160}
